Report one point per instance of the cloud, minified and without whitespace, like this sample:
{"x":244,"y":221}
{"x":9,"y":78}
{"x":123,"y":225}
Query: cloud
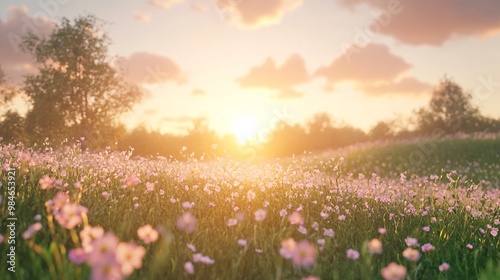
{"x":277,"y":77}
{"x":255,"y":13}
{"x":269,"y":75}
{"x":405,"y":86}
{"x":434,"y":22}
{"x":374,"y":63}
{"x":199,"y":7}
{"x":17,"y":24}
{"x":140,"y":16}
{"x":164,"y":4}
{"x":374,"y":70}
{"x":288,"y":94}
{"x":244,"y":13}
{"x":198,"y":92}
{"x":148,"y":68}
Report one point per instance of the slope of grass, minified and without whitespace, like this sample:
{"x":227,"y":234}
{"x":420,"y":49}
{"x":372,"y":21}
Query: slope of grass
{"x":307,"y":199}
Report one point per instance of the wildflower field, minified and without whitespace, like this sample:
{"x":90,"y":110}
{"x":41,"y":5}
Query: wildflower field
{"x":420,"y":210}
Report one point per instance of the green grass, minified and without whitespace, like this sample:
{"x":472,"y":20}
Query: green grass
{"x":474,"y":160}
{"x":457,"y":212}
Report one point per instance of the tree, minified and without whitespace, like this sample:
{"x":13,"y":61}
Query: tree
{"x":382,"y":130}
{"x":319,"y":123}
{"x":11,"y":123}
{"x":7,"y":93}
{"x":76,"y":92}
{"x":450,"y":110}
{"x":12,"y":127}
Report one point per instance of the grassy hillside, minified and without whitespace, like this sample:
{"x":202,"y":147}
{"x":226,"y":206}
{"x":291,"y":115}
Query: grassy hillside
{"x":312,"y":216}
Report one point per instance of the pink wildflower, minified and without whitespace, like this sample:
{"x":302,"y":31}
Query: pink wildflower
{"x":375,"y":246}
{"x":296,"y":218}
{"x":393,"y":271}
{"x":77,"y":255}
{"x":427,"y":248}
{"x":444,"y":267}
{"x":352,"y":254}
{"x":32,"y":229}
{"x":89,"y":234}
{"x":147,"y":234}
{"x":283,"y":212}
{"x":130,"y":256}
{"x":304,"y":254}
{"x":328,"y":232}
{"x":260,"y":215}
{"x":287,"y":248}
{"x":59,"y":200}
{"x":70,"y":215}
{"x":232,"y":222}
{"x":103,"y":250}
{"x":131,"y":180}
{"x":46,"y":182}
{"x":187,"y":223}
{"x":411,"y":254}
{"x":189,"y":268}
{"x":411,"y":242}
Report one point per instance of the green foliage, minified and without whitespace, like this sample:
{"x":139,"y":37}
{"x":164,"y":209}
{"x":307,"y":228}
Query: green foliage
{"x":7,"y":92}
{"x":491,"y":272}
{"x":474,"y":160}
{"x":12,"y":128}
{"x":76,"y":92}
{"x":450,"y":111}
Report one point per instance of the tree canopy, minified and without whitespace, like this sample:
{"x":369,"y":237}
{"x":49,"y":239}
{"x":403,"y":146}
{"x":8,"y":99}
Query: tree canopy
{"x":450,"y":110}
{"x":76,"y":92}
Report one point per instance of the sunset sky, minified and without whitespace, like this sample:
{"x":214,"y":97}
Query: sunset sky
{"x":249,"y":62}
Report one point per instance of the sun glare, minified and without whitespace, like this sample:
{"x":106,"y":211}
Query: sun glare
{"x":245,"y":128}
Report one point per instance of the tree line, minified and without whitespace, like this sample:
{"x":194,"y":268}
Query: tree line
{"x":77,"y":92}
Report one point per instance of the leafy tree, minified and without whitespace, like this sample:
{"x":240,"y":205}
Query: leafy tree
{"x":12,"y":127}
{"x":11,"y":123}
{"x":382,"y":130}
{"x":450,"y":110}
{"x":7,"y":92}
{"x":76,"y":92}
{"x":320,"y":123}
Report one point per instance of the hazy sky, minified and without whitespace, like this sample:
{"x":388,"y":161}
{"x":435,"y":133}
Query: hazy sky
{"x":249,"y":62}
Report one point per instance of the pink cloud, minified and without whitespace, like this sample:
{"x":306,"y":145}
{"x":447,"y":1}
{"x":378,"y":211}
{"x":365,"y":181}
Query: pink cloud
{"x":164,"y":4}
{"x":270,"y":75}
{"x":434,"y":22}
{"x":199,"y":7}
{"x":288,"y":94}
{"x":374,"y":70}
{"x":140,"y":16}
{"x":373,"y":63}
{"x":198,"y":92}
{"x":405,"y":86}
{"x":148,"y":68}
{"x":255,"y":13}
{"x":17,"y":24}
{"x":283,"y":77}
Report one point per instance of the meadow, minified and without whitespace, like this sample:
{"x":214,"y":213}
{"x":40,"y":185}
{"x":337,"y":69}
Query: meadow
{"x":427,"y":209}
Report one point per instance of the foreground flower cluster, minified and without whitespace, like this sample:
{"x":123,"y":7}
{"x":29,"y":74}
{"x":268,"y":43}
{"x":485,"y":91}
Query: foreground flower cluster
{"x":199,"y":219}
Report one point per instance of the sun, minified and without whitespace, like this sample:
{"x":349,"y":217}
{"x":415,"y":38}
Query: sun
{"x":245,"y":128}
